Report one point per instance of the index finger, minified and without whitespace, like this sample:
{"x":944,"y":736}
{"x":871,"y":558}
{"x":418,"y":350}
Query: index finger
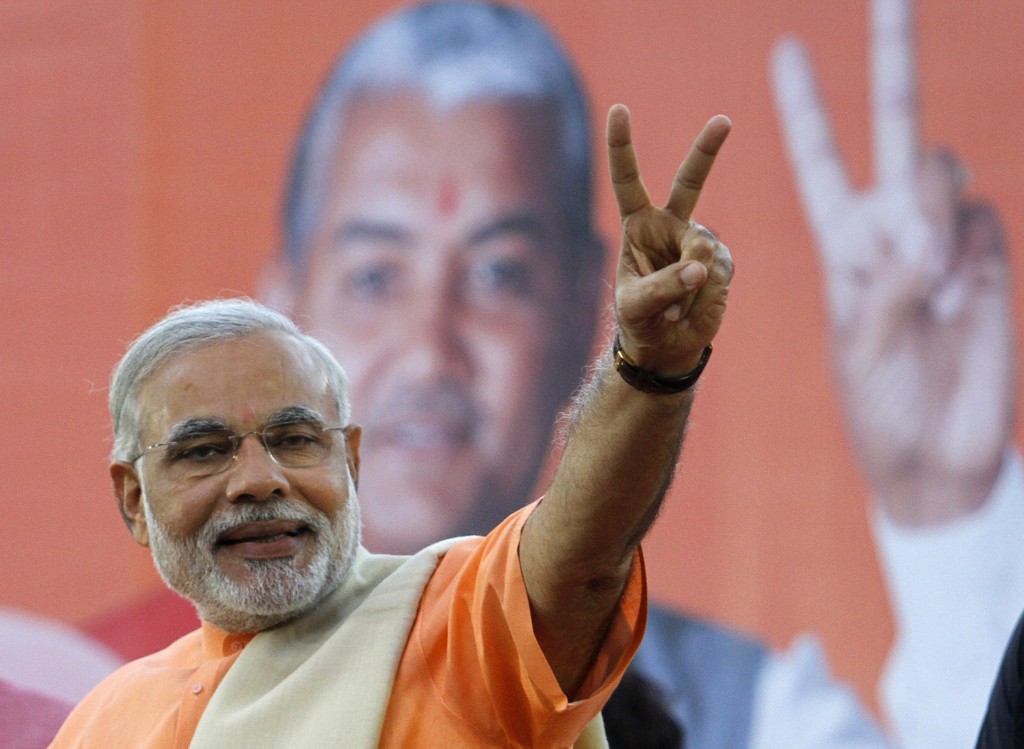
{"x":690,"y":176}
{"x":893,"y":90}
{"x":630,"y":193}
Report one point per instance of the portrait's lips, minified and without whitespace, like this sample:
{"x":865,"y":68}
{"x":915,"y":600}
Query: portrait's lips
{"x":421,"y":430}
{"x":266,"y":539}
{"x":423,"y":434}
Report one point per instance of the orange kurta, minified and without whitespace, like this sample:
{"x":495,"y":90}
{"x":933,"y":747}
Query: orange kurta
{"x":471,"y":673}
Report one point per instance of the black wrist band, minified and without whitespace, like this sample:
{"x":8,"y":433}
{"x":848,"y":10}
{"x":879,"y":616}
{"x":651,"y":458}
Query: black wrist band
{"x":648,"y":382}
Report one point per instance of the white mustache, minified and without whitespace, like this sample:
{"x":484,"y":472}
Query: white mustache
{"x":281,"y":509}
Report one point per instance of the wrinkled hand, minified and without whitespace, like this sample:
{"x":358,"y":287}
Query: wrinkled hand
{"x":673,"y":276}
{"x":918,"y":289}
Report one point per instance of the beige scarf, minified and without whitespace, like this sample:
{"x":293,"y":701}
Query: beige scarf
{"x":288,"y":678}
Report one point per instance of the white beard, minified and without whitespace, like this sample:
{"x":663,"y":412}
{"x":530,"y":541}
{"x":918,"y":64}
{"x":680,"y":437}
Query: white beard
{"x":279,"y":589}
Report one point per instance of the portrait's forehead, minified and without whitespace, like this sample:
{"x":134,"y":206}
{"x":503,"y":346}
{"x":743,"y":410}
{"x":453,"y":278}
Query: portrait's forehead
{"x":496,"y":123}
{"x":401,"y":159}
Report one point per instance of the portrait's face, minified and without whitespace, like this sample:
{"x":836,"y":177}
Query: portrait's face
{"x":438,"y":278}
{"x":257,"y":542}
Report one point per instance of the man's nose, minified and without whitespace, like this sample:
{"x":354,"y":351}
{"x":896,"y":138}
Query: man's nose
{"x":254,"y":475}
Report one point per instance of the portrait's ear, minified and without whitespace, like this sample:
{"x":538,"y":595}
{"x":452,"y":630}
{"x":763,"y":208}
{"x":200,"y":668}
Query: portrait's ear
{"x":276,"y":289}
{"x":591,"y":284}
{"x":128,"y":491}
{"x":586,"y":302}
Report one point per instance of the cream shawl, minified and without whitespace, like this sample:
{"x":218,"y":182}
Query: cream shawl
{"x":323,"y":665}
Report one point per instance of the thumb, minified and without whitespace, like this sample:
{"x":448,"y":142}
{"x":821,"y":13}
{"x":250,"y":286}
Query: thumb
{"x":669,"y":291}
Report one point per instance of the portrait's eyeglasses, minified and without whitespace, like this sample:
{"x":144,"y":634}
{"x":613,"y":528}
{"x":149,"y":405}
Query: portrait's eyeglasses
{"x":290,"y":445}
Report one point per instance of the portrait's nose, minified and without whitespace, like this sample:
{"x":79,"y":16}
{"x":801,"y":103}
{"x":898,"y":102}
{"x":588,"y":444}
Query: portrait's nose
{"x":434,"y":344}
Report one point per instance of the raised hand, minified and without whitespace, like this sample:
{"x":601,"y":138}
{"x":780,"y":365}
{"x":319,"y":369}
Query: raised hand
{"x":673,"y":276}
{"x":918,"y":288}
{"x":578,"y":547}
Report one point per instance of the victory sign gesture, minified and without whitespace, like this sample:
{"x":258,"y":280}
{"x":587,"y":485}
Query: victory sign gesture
{"x":673,"y":275}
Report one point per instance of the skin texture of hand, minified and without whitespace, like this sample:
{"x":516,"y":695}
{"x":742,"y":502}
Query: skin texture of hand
{"x":578,"y":546}
{"x":918,"y":286}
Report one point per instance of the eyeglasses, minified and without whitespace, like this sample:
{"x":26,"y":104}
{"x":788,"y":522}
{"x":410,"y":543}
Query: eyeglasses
{"x":290,"y":445}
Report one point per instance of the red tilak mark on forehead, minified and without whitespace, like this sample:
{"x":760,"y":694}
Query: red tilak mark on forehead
{"x":249,"y":414}
{"x":447,"y":197}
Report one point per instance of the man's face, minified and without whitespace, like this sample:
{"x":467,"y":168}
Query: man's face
{"x":438,"y":278}
{"x":258,"y":542}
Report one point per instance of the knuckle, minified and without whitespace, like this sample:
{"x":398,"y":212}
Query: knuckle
{"x":702,"y":246}
{"x":702,"y":240}
{"x":723,"y":260}
{"x":727,"y":268}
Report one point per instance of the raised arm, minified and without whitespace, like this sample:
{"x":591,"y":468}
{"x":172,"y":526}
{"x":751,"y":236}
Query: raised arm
{"x":671,"y":287}
{"x":919,"y":291}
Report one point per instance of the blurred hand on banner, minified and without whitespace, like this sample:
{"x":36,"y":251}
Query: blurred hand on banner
{"x":918,"y":287}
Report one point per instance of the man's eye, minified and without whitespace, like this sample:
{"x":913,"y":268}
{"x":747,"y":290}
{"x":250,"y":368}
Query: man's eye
{"x":294,"y":440}
{"x":201,"y":452}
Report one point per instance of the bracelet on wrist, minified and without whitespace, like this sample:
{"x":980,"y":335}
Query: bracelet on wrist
{"x":648,"y":382}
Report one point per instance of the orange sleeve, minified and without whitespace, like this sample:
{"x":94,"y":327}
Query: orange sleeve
{"x":473,"y":667}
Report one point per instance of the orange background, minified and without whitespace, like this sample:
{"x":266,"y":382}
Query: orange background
{"x":143,"y":147}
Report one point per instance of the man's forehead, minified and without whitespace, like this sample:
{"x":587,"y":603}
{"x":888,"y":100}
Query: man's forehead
{"x":165,"y":424}
{"x":238,"y":381}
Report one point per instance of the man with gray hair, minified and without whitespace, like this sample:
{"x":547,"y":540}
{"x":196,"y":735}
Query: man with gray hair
{"x":235,"y":461}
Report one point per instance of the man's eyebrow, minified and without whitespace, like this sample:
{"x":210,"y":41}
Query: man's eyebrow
{"x":192,"y":428}
{"x":295,"y":415}
{"x":518,"y":223}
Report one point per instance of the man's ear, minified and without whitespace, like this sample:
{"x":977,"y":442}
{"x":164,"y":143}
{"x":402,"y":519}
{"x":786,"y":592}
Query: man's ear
{"x":353,"y":435}
{"x":276,"y":288}
{"x":128,"y":490}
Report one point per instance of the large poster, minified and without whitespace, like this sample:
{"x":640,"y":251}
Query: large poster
{"x":868,"y":193}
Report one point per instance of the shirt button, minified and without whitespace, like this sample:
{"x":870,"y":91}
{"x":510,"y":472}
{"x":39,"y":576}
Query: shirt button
{"x":197,"y":688}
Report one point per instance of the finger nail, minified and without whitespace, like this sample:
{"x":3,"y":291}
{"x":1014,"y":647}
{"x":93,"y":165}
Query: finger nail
{"x":692,"y":275}
{"x":672,"y":312}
